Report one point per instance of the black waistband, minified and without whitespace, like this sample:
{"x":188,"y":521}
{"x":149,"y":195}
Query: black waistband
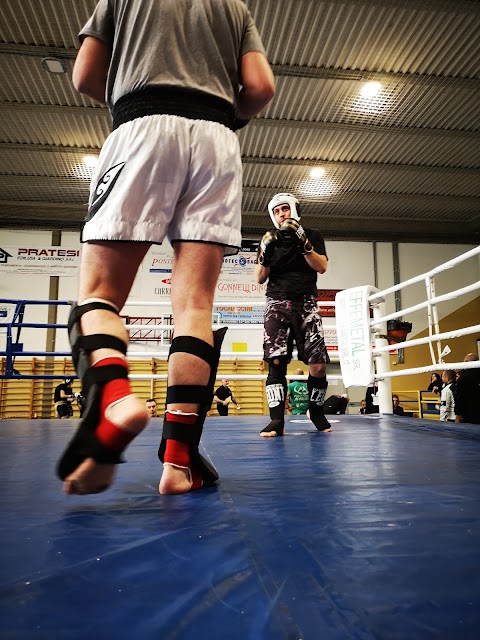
{"x":174,"y":101}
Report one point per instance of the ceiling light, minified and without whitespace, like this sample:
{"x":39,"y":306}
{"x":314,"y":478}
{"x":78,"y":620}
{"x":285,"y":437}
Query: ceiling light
{"x":53,"y":65}
{"x":317,"y":172}
{"x":371,"y":89}
{"x":90,"y":161}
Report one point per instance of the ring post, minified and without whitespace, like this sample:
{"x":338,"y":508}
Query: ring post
{"x":382,"y":360}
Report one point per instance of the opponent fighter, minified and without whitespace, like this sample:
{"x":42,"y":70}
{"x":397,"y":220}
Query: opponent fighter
{"x":290,"y":257}
{"x":179,"y":77}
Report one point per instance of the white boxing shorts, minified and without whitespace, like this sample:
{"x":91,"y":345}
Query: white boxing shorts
{"x":167,"y":176}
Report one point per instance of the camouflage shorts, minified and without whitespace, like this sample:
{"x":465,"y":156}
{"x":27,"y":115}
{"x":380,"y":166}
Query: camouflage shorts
{"x":298,"y":321}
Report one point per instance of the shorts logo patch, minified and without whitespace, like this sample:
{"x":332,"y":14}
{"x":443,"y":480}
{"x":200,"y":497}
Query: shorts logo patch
{"x":103,"y":188}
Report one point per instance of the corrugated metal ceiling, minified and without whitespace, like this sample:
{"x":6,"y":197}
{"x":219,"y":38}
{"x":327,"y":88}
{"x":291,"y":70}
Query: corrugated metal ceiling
{"x":411,"y":154}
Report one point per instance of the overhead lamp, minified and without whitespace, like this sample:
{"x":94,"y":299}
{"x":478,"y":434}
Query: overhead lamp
{"x":371,"y":89}
{"x":90,"y":161}
{"x":53,"y":65}
{"x":317,"y":172}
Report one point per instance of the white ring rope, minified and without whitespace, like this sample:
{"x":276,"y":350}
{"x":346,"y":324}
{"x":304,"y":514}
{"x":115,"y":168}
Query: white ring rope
{"x":422,"y":305}
{"x":169,"y":327}
{"x":433,"y":272}
{"x":355,"y":331}
{"x":432,"y":367}
{"x":223,"y":376}
{"x":457,"y":333}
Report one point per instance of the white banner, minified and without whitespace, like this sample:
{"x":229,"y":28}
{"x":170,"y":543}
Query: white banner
{"x":39,"y":260}
{"x":236,"y":281}
{"x":354,"y":336}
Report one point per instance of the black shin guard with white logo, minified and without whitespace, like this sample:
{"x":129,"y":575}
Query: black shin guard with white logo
{"x":276,"y":390}
{"x":317,"y":390}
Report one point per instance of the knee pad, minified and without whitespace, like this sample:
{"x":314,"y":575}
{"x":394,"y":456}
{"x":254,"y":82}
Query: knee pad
{"x":277,"y":372}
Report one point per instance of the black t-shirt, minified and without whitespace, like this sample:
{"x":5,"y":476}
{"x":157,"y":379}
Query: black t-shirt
{"x":62,"y":387}
{"x":467,"y":396}
{"x":335,"y":404}
{"x":223,"y":393}
{"x":291,"y":277}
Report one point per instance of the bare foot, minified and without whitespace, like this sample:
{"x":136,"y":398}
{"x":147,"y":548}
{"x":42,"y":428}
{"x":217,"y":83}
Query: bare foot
{"x":269,"y":434}
{"x":128,"y":414}
{"x":89,"y":477}
{"x":175,"y":480}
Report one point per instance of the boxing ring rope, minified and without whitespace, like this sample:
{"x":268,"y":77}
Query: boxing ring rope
{"x":11,"y":354}
{"x":363,"y":363}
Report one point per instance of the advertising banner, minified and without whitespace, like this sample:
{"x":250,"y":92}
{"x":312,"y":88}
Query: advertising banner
{"x":236,"y":281}
{"x":39,"y":260}
{"x":354,"y":336}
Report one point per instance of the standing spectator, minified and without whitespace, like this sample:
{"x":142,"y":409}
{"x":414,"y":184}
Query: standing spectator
{"x":297,"y":395}
{"x":447,"y":396}
{"x":63,"y":398}
{"x":467,"y":393}
{"x":179,"y":78}
{"x":435,"y":386}
{"x":223,"y":397}
{"x":397,"y":407}
{"x":436,"y":383}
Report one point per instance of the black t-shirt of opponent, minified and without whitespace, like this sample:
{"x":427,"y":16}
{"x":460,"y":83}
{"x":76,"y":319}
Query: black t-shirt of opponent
{"x":291,"y":277}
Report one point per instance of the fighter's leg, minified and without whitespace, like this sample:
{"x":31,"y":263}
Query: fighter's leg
{"x":277,"y":352}
{"x":309,"y":337}
{"x":276,"y":389}
{"x":317,"y":388}
{"x":113,"y":416}
{"x":192,"y":366}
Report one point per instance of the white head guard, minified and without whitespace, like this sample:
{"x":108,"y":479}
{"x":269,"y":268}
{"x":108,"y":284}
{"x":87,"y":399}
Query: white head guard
{"x":284,"y":198}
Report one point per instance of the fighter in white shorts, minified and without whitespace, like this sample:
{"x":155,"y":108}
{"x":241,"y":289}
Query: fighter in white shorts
{"x":170,"y":168}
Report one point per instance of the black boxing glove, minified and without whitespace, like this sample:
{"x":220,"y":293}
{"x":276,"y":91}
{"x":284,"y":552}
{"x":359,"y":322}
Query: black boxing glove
{"x":294,"y":229}
{"x":267,"y":247}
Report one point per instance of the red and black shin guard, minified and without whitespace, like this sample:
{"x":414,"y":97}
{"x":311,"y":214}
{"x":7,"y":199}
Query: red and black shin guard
{"x":102,"y":384}
{"x":182,"y":432}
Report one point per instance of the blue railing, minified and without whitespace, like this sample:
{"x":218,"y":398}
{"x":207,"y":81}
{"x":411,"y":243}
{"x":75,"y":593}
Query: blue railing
{"x":14,"y":348}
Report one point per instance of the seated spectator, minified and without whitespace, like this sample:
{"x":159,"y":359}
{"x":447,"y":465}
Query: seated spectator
{"x":397,"y":407}
{"x":371,"y":400}
{"x":336,"y":404}
{"x":363,"y":407}
{"x":447,"y":399}
{"x":467,"y":393}
{"x":297,"y":395}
